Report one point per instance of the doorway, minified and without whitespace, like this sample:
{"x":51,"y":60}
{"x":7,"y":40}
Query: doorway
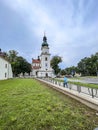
{"x":46,"y":74}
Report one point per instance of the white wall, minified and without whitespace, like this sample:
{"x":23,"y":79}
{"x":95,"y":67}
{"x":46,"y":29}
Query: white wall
{"x":5,"y":69}
{"x":33,"y":72}
{"x":43,"y":62}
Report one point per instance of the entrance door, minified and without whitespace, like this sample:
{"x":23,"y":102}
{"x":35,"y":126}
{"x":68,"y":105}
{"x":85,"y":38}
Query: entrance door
{"x":36,"y":73}
{"x":46,"y":74}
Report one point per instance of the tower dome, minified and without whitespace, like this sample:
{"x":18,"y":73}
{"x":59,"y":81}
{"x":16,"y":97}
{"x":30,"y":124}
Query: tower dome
{"x":44,"y":41}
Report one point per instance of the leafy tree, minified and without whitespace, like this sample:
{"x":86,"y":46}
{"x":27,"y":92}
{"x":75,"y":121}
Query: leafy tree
{"x":82,"y":66}
{"x":94,"y":60}
{"x":19,"y":64}
{"x":89,"y":65}
{"x":86,"y":66}
{"x":55,"y":63}
{"x":22,"y":66}
{"x":63,"y":72}
{"x":71,"y":70}
{"x":12,"y":55}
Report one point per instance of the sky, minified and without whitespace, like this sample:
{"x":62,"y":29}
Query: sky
{"x":71,"y":27}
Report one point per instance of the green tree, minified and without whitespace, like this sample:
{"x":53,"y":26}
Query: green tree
{"x":63,"y":72}
{"x":12,"y":55}
{"x":94,"y":61}
{"x":22,"y":65}
{"x":71,"y":70}
{"x":82,"y":66}
{"x":55,"y":63}
{"x":89,"y":65}
{"x":19,"y":64}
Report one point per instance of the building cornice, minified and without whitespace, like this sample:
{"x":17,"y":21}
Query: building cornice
{"x":45,"y":53}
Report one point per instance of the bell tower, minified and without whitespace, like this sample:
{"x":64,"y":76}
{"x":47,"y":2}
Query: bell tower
{"x":45,"y":55}
{"x":41,"y":66}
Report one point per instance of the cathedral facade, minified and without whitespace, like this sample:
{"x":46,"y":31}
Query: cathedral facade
{"x":41,"y":66}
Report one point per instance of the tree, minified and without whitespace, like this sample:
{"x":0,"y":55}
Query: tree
{"x":12,"y":55}
{"x":19,"y":64}
{"x":71,"y":70}
{"x":63,"y":72}
{"x":22,"y":65}
{"x":82,"y":66}
{"x":55,"y":63}
{"x":89,"y":65}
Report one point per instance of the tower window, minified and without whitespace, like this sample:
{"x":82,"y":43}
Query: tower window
{"x":45,"y":58}
{"x":46,"y":65}
{"x":5,"y":75}
{"x":5,"y":65}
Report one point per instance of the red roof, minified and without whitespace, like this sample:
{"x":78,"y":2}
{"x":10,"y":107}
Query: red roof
{"x":36,"y":67}
{"x":35,"y":61}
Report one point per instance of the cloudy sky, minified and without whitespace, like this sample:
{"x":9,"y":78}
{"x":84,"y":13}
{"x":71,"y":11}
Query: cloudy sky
{"x":71,"y":28}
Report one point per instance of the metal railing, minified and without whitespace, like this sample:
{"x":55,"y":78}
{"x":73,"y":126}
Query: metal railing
{"x":93,"y":92}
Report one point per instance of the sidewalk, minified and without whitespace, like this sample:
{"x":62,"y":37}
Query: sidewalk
{"x":83,"y":98}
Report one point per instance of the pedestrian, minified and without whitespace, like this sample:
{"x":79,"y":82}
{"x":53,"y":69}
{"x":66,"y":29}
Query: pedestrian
{"x":65,"y":81}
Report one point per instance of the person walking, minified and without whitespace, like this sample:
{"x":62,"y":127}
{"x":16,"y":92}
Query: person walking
{"x":65,"y":81}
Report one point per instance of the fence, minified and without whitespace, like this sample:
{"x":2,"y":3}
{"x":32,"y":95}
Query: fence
{"x":93,"y":92}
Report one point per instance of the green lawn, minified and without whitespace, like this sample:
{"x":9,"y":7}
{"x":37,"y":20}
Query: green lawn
{"x":26,"y":104}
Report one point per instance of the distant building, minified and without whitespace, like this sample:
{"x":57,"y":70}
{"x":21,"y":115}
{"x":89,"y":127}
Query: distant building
{"x":5,"y":68}
{"x":41,"y":66}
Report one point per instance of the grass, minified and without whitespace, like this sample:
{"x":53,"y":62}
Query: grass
{"x":27,"y":104}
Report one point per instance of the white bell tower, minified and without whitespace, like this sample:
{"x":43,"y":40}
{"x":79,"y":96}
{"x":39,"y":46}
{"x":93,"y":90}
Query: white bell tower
{"x":41,"y":66}
{"x":45,"y":70}
{"x":45,"y":55}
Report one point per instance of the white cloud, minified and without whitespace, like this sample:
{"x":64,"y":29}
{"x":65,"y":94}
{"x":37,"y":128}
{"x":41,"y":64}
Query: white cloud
{"x":65,"y":27}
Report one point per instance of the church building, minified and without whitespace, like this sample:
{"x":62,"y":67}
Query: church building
{"x":41,"y":66}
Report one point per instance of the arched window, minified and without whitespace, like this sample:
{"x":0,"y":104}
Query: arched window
{"x":5,"y":75}
{"x":5,"y":65}
{"x":46,"y":64}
